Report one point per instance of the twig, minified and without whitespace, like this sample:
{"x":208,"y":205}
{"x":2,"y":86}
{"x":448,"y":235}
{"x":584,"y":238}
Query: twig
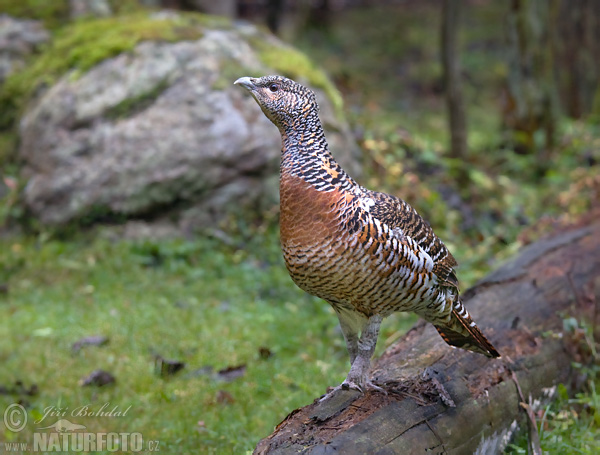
{"x":534,"y":438}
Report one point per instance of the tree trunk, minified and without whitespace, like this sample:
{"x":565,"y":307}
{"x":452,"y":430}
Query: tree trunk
{"x":227,"y":8}
{"x":320,"y":15}
{"x":451,"y":10}
{"x":531,"y":83}
{"x":450,"y":401}
{"x":578,"y":49}
{"x":274,"y":14}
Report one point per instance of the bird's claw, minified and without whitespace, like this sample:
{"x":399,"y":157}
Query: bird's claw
{"x":352,"y":385}
{"x":372,"y":386}
{"x":346,"y":385}
{"x":363,"y":388}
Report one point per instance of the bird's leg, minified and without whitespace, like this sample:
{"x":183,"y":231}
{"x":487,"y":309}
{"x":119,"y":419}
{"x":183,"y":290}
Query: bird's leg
{"x":360,"y":350}
{"x":350,"y":331}
{"x":358,"y":377}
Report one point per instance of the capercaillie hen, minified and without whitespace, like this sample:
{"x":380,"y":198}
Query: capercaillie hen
{"x":368,"y":254}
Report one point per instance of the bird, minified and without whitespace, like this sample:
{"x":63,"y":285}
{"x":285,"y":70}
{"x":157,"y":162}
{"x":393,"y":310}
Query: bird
{"x":367,"y":253}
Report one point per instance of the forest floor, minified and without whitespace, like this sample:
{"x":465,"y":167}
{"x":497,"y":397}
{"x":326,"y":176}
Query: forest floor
{"x":254,"y":346}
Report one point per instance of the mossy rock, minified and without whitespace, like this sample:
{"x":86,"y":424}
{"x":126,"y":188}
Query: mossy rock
{"x":137,"y":117}
{"x":53,"y":13}
{"x":79,"y":46}
{"x":57,"y":13}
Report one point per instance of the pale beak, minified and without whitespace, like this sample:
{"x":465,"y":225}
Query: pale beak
{"x":246,"y":82}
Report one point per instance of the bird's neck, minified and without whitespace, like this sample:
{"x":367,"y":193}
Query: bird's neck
{"x":304,"y":144}
{"x":303,"y":134}
{"x":305,"y":154}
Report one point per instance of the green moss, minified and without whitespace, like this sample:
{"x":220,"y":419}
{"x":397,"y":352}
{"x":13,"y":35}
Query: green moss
{"x":52,"y":12}
{"x":56,"y":13}
{"x":292,"y":63}
{"x":8,"y":145}
{"x":136,"y":104}
{"x":84,"y":44}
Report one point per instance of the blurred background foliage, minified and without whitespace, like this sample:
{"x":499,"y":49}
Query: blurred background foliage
{"x":525,"y":162}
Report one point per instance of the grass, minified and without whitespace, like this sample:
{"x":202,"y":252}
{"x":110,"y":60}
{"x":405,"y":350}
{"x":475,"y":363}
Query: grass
{"x":567,"y":426}
{"x":209,"y":305}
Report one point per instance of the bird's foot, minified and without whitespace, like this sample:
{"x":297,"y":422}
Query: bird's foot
{"x":372,"y":386}
{"x":343,"y":386}
{"x":355,"y":385}
{"x":351,"y":385}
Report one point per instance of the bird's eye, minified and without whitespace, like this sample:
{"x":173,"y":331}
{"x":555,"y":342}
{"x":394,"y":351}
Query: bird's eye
{"x":274,"y":87}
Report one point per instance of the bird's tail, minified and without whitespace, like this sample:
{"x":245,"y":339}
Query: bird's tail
{"x":462,"y":332}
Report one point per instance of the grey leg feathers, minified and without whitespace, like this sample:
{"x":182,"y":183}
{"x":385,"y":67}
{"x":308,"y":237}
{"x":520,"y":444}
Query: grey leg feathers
{"x":358,"y":377}
{"x":351,"y":326}
{"x":361,"y":348}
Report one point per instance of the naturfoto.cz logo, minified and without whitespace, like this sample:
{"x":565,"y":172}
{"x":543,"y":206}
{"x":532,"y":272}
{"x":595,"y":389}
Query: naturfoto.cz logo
{"x":66,"y":436}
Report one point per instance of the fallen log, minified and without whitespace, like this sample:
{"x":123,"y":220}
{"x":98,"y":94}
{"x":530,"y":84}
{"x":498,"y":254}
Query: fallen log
{"x":449,"y":401}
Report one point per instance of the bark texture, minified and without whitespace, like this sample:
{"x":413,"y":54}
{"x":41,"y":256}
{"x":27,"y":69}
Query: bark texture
{"x":449,"y":401}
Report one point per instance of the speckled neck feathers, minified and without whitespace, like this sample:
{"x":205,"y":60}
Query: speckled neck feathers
{"x":305,"y":154}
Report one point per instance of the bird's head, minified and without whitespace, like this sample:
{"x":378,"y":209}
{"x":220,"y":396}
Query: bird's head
{"x":282,"y":100}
